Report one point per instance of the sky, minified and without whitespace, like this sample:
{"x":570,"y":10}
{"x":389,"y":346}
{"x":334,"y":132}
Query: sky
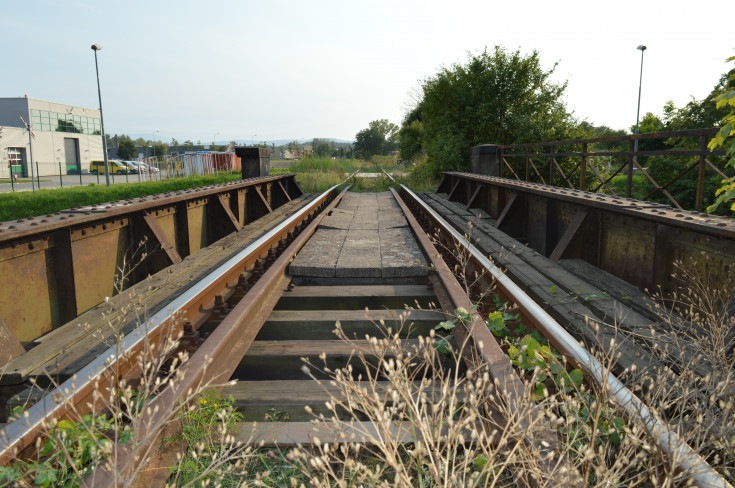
{"x":276,"y":69}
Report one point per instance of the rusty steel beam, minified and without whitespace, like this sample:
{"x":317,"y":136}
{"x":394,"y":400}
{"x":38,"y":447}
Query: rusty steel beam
{"x":634,"y":240}
{"x":162,"y":238}
{"x":72,"y":259}
{"x":216,"y":360}
{"x":76,"y":396}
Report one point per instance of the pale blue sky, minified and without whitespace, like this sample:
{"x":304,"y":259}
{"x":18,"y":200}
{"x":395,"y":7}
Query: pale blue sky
{"x":288,"y":69}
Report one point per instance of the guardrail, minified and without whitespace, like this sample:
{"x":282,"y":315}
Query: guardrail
{"x":576,"y":163}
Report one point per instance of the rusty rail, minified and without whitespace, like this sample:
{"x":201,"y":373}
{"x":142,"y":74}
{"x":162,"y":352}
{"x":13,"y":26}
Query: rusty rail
{"x":77,"y":394}
{"x":685,"y":457}
{"x":580,"y":167}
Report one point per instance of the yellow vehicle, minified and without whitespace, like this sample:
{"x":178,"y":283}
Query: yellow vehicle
{"x":116,"y":167}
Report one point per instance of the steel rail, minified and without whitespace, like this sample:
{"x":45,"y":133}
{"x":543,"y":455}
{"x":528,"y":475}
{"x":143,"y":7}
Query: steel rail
{"x":22,"y":433}
{"x":213,"y":362}
{"x":388,"y":175}
{"x":691,"y":462}
{"x":552,"y":460}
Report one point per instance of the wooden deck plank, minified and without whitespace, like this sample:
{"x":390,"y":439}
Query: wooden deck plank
{"x":272,"y":434}
{"x":569,"y":313}
{"x":608,"y":310}
{"x":356,"y":297}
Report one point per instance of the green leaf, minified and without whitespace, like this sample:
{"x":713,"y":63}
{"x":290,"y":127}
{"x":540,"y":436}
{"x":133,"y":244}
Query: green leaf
{"x":45,"y":475}
{"x":446,"y":325}
{"x":48,"y":447}
{"x":65,"y":425}
{"x":442,"y":346}
{"x":576,"y":376}
{"x":479,"y":463}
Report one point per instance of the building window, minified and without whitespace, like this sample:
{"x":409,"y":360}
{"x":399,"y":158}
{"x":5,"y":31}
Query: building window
{"x":44,"y":120}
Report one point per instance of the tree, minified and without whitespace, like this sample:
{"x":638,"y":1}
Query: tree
{"x":126,"y":148}
{"x":378,"y":138}
{"x":696,"y":114}
{"x":497,"y":97}
{"x":159,"y":148}
{"x":188,"y":145}
{"x":725,"y":194}
{"x":322,"y":148}
{"x":411,"y":135}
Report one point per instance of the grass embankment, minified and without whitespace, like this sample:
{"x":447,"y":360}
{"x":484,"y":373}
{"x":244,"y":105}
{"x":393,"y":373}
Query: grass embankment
{"x":20,"y":205}
{"x":316,"y":175}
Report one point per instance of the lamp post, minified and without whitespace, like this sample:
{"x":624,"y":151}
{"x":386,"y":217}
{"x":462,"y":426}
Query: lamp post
{"x":95,"y":48}
{"x":214,"y":140}
{"x":153,"y":142}
{"x":641,"y":48}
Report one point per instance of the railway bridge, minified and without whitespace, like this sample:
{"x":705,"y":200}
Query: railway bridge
{"x":251,"y":277}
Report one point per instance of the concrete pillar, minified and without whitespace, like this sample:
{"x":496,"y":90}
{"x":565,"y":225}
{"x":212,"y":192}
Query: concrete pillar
{"x":485,"y":160}
{"x":254,"y":161}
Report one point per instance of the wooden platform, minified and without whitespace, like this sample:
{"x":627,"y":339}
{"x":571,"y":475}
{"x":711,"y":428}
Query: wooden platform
{"x":366,"y":236}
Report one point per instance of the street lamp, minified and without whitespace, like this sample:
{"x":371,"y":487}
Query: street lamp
{"x":252,"y":140}
{"x":214,"y":139}
{"x":95,"y":48}
{"x":153,"y":143}
{"x":641,"y":48}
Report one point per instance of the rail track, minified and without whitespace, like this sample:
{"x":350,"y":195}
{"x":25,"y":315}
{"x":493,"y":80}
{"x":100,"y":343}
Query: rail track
{"x":250,"y":321}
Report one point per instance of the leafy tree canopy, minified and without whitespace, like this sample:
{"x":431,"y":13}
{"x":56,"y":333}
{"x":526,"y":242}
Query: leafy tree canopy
{"x":126,"y":148}
{"x":498,"y":97}
{"x":379,"y":138}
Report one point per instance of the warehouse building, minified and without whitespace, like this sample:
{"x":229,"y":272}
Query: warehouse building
{"x":65,"y":138}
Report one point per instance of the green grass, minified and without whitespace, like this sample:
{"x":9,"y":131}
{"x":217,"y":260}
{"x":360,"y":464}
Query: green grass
{"x":315,"y":175}
{"x":641,"y":186}
{"x":20,"y":205}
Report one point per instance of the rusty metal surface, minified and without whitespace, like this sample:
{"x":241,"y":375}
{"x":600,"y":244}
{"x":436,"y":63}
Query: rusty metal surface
{"x":71,"y":260}
{"x":80,"y":215}
{"x":714,"y":225}
{"x":488,"y":352}
{"x":682,"y":455}
{"x":216,"y":359}
{"x":643,"y":243}
{"x":77,"y":395}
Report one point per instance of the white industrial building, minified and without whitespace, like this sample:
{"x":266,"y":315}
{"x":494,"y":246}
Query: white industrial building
{"x":65,"y":138}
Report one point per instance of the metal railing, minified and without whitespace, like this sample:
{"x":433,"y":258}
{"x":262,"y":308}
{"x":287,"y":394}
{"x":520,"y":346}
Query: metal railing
{"x":58,"y":175}
{"x":576,"y":163}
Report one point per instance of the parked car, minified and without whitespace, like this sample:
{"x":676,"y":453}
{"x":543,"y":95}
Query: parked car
{"x":116,"y":167}
{"x":147,"y":168}
{"x":132,"y":167}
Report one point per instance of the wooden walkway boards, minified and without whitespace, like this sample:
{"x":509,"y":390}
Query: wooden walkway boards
{"x":366,"y":236}
{"x":580,"y":297}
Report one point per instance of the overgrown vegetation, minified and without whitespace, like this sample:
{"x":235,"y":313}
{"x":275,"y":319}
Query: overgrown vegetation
{"x":725,"y":195}
{"x":497,"y":97}
{"x":449,"y":427}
